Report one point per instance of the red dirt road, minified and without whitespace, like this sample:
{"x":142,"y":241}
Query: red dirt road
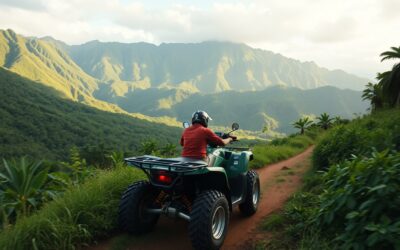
{"x":278,"y":182}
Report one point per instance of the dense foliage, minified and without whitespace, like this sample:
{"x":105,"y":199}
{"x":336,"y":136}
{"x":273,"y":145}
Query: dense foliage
{"x":361,"y":202}
{"x":36,"y":122}
{"x":380,"y":131}
{"x":77,"y":218}
{"x":353,"y":203}
{"x":24,"y":186}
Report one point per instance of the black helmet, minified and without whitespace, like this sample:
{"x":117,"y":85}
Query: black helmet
{"x":201,"y":117}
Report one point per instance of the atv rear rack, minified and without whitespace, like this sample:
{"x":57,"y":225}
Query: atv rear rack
{"x":180,"y":165}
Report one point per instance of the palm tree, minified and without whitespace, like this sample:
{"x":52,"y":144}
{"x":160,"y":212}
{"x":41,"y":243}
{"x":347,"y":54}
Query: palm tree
{"x":324,"y":121}
{"x":390,"y":80}
{"x":373,"y":93}
{"x":388,"y":55}
{"x":302,"y":124}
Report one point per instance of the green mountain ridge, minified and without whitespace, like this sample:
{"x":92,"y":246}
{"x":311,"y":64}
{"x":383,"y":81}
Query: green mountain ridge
{"x":36,"y":121}
{"x":208,"y":66}
{"x":165,"y":83}
{"x":46,"y":61}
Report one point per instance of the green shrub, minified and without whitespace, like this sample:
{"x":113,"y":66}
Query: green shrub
{"x":85,"y":212}
{"x":299,"y":212}
{"x":274,"y":221}
{"x":361,"y":202}
{"x":379,"y":131}
{"x":339,"y":145}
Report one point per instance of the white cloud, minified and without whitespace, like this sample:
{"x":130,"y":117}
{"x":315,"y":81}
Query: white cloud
{"x":336,"y":34}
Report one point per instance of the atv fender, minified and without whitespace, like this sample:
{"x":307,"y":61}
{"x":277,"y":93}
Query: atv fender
{"x":216,"y":179}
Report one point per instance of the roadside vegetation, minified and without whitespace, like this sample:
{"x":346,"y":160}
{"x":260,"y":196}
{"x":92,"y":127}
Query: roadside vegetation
{"x":350,"y":197}
{"x":85,"y":212}
{"x":282,"y":148}
{"x":64,"y":205}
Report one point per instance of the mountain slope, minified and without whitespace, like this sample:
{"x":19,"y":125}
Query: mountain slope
{"x":276,"y":106}
{"x":43,"y":61}
{"x":170,"y":80}
{"x":208,"y":66}
{"x":36,"y":121}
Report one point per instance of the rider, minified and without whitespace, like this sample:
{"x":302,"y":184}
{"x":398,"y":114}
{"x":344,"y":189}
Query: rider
{"x":195,"y":138}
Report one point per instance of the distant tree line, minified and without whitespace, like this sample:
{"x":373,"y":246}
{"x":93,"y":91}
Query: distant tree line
{"x":324,"y":121}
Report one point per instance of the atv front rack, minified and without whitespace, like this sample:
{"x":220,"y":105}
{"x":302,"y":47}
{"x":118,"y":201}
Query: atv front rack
{"x":179,"y":165}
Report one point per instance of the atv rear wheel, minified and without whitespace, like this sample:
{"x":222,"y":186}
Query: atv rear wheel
{"x":132,"y":215}
{"x":209,"y":220}
{"x":250,"y":205}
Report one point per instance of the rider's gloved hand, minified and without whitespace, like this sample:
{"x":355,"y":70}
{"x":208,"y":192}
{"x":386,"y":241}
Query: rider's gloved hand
{"x":234,"y":138}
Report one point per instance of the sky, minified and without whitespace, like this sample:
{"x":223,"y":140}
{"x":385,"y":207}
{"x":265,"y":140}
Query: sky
{"x":341,"y":34}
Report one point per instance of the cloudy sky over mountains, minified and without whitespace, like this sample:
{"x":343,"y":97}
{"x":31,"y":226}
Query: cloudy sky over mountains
{"x":345,"y":34}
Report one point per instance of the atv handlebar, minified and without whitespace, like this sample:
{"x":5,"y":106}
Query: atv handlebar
{"x":226,"y":136}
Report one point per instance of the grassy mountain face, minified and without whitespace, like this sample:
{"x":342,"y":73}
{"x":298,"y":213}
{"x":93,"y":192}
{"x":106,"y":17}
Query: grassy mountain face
{"x":208,"y":67}
{"x":45,"y":61}
{"x":173,"y":80}
{"x":275,"y":106}
{"x":36,"y":121}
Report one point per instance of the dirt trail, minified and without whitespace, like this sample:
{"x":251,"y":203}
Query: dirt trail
{"x":278,"y":182}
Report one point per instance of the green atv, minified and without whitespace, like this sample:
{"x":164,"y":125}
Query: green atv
{"x":201,"y":193}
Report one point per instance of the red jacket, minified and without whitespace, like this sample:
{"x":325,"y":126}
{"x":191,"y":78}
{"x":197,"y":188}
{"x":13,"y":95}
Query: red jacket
{"x":194,"y":141}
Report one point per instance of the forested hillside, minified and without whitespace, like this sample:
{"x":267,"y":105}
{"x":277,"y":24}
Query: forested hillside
{"x":276,"y":107}
{"x":36,"y":121}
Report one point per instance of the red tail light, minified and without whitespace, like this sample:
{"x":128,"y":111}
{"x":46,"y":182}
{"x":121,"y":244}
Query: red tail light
{"x":163,"y":178}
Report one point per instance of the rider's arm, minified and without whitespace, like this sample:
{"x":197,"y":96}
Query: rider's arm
{"x":215,"y":139}
{"x":182,"y":141}
{"x":227,"y":140}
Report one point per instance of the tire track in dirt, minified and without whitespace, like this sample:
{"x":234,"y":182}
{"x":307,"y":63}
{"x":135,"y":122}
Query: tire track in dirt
{"x":276,"y":187}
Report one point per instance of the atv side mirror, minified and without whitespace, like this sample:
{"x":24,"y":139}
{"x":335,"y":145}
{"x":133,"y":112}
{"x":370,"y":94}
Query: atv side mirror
{"x":235,"y":126}
{"x":186,"y":124}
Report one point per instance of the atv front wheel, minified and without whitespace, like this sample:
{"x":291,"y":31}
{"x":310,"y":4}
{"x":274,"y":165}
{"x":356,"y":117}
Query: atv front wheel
{"x":249,"y":206}
{"x":132,"y":215}
{"x":209,"y":220}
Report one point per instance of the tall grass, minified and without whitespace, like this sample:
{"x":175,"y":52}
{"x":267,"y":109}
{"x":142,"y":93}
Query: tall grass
{"x":280,"y":149}
{"x":84,"y":213}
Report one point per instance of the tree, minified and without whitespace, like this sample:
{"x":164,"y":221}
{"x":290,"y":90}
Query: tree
{"x":302,"y":124}
{"x":390,"y":80}
{"x":324,"y":121}
{"x":374,"y":94}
